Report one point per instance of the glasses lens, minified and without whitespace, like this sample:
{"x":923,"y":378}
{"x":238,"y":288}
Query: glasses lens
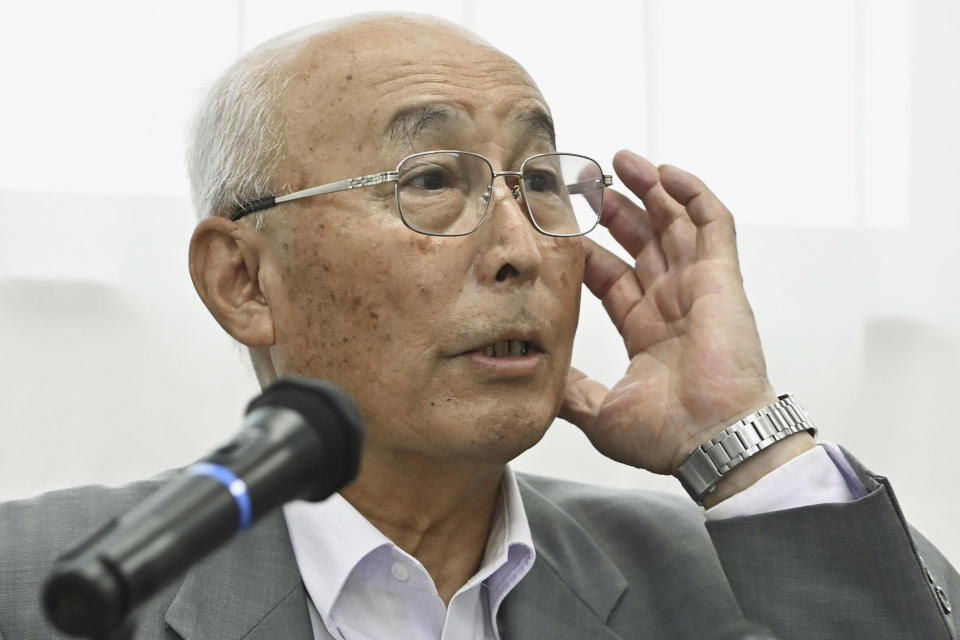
{"x":443,"y":193}
{"x":564,"y":193}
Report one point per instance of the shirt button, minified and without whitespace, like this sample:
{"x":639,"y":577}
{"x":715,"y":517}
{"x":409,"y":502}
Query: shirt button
{"x":400,"y":572}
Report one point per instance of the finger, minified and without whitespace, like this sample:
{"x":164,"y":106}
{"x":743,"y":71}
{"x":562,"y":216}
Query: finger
{"x":630,"y":226}
{"x":716,"y":232}
{"x":668,"y":217}
{"x":591,"y":174}
{"x":626,"y":222}
{"x":612,"y":280}
{"x":582,"y":399}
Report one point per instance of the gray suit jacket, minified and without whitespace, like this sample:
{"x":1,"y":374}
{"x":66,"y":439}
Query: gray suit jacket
{"x":611,"y":564}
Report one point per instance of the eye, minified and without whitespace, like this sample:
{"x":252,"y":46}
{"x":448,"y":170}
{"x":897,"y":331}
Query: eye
{"x":428,"y":180}
{"x":431,"y":176}
{"x":539,"y":181}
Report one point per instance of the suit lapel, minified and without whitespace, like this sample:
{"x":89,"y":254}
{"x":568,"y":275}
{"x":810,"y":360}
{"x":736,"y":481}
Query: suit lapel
{"x":250,"y":589}
{"x":573,"y":586}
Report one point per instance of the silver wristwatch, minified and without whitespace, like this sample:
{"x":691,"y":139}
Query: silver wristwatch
{"x":704,"y":468}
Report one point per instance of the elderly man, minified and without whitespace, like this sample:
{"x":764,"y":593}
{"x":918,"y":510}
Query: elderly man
{"x":382,"y":206}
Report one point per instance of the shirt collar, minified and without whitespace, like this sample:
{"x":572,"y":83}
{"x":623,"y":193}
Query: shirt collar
{"x":510,"y":552}
{"x":331,"y":538}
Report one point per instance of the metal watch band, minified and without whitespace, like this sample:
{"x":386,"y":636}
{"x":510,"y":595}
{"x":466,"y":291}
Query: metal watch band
{"x":708,"y":463}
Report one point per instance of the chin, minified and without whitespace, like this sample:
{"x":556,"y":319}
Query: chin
{"x":504,"y":432}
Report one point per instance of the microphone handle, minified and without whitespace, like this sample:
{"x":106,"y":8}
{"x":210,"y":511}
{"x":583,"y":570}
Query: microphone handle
{"x":100,"y":582}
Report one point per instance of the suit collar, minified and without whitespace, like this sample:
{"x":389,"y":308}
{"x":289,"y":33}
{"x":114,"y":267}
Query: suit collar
{"x":251,"y":588}
{"x":573,"y":586}
{"x":248,"y":589}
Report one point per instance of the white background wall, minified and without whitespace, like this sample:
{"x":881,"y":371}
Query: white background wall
{"x":828,"y":126}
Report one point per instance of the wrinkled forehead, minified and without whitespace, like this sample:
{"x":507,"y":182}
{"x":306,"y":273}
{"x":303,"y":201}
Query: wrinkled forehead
{"x":363,"y":89}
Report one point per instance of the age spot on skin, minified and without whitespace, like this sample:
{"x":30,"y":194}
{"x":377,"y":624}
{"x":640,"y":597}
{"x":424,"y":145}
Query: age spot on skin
{"x":425,"y":244}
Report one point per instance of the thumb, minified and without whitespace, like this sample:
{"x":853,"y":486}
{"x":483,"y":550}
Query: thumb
{"x":582,"y":399}
{"x":607,"y":422}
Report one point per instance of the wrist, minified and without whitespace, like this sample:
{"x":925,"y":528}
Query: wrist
{"x":759,"y":465}
{"x":760,"y":438}
{"x":765,"y":398}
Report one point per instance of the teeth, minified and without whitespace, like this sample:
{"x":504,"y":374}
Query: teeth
{"x":507,"y":348}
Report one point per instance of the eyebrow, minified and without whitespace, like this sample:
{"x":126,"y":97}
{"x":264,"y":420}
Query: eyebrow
{"x":540,"y":125}
{"x":407,"y":124}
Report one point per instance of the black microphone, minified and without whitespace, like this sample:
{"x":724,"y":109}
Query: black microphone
{"x":300,"y":440}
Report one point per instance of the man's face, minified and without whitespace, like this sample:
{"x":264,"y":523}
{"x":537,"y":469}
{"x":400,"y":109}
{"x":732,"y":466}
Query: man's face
{"x":403,"y":321}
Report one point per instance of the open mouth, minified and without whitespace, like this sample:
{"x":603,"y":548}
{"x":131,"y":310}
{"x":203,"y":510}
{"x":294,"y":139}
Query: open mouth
{"x":508,"y":349}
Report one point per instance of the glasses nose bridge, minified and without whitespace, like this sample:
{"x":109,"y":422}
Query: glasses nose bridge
{"x":514,"y":189}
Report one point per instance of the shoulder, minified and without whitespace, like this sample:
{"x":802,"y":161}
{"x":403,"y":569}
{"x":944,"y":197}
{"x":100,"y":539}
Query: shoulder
{"x":34,"y":532}
{"x":64,"y":517}
{"x":656,"y":543}
{"x":610,"y":512}
{"x":591,"y":499}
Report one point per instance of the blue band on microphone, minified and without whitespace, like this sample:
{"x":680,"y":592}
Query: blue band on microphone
{"x":236,"y":487}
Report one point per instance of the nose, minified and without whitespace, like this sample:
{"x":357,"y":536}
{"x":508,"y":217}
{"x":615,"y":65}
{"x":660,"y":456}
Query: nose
{"x":510,"y":249}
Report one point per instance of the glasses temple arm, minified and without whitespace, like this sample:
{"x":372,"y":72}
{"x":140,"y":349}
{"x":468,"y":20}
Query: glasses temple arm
{"x":254,"y":205}
{"x":333,"y":187}
{"x":586,"y":185}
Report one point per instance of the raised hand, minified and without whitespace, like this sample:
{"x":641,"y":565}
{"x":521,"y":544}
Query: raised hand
{"x":696,"y":363}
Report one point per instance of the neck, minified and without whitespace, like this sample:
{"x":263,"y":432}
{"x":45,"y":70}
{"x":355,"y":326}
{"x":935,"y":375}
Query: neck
{"x":439,"y":513}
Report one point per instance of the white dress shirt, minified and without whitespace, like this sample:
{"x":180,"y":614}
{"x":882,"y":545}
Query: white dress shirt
{"x":364,"y":587}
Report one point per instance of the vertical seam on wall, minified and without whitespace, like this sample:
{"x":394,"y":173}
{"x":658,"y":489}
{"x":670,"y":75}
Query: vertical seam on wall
{"x":859,"y":101}
{"x":650,"y":79}
{"x":241,"y":22}
{"x":468,"y":10}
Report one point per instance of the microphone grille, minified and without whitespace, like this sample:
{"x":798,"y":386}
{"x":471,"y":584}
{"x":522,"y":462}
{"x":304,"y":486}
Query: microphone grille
{"x":328,"y":410}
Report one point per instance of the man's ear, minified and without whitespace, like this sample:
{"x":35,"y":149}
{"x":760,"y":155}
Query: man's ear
{"x":224,"y":266}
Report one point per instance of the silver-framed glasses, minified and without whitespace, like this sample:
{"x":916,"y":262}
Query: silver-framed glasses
{"x":448,"y":192}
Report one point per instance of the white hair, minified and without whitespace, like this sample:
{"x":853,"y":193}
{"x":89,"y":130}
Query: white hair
{"x":235,"y":142}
